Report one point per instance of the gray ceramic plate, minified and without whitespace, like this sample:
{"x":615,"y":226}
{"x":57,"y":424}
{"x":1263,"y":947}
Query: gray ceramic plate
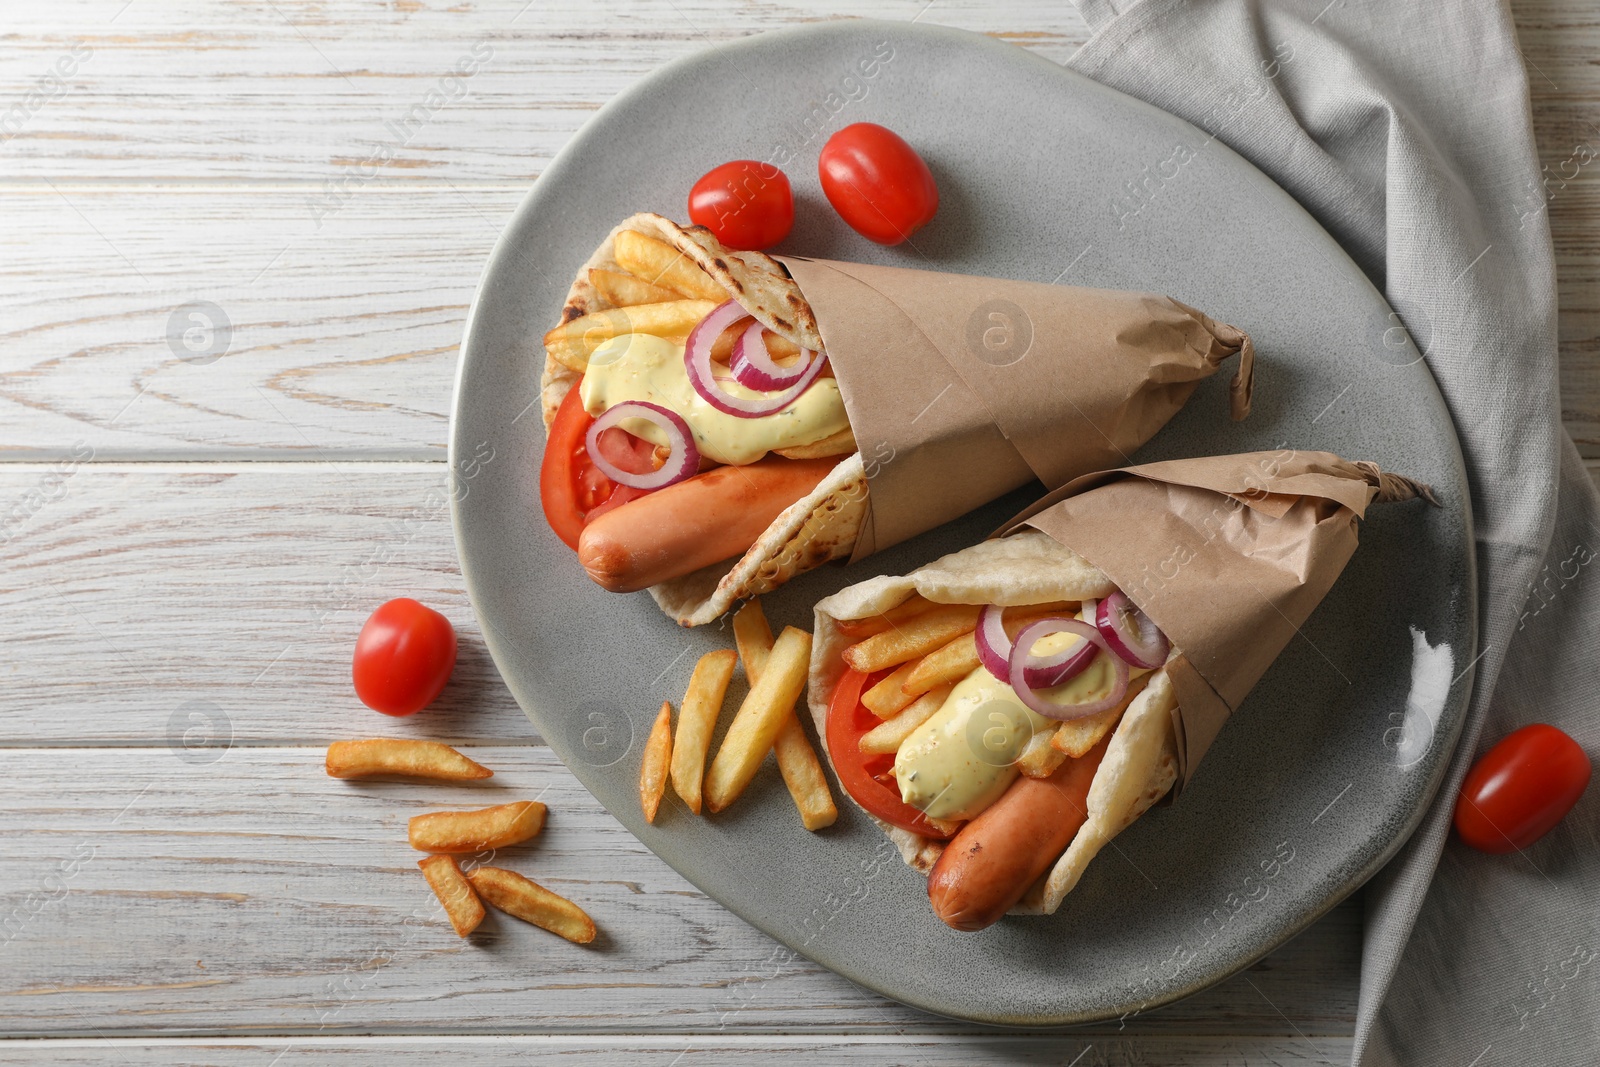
{"x":1045,"y":176}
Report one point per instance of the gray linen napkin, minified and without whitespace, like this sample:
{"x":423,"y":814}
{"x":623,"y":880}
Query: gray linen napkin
{"x":1404,"y":128}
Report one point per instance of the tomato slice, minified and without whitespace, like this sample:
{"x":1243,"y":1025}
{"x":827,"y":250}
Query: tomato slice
{"x":572,"y":489}
{"x":866,"y":777}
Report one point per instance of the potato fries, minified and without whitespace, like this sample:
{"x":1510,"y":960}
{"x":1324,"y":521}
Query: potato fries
{"x":1078,"y":736}
{"x":859,"y":629}
{"x":672,"y":318}
{"x":887,"y":737}
{"x":889,"y":697}
{"x":571,"y":353}
{"x":802,"y":773}
{"x":461,"y":904}
{"x":697,"y":719}
{"x":473,"y":831}
{"x":797,"y":760}
{"x":660,"y":264}
{"x":411,"y":759}
{"x":657,"y":758}
{"x":532,"y":902}
{"x":624,"y":290}
{"x":1040,"y":757}
{"x":946,"y":664}
{"x":915,"y":637}
{"x":760,"y":718}
{"x":752,"y":636}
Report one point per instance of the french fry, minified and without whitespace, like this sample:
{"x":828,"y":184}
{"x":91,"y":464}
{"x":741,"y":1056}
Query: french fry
{"x":860,"y":629}
{"x":887,"y":737}
{"x":657,"y":758}
{"x":915,"y":637}
{"x":945,"y":664}
{"x":571,"y":353}
{"x":797,"y":760}
{"x":802,"y":773}
{"x":474,"y":831}
{"x":1077,"y":736}
{"x":670,"y":318}
{"x":660,"y":264}
{"x":532,"y":902}
{"x":410,"y":759}
{"x":889,"y":697}
{"x":752,"y":636}
{"x":461,"y":904}
{"x":697,"y":720}
{"x":624,"y":290}
{"x":1040,"y":757}
{"x":759,"y":719}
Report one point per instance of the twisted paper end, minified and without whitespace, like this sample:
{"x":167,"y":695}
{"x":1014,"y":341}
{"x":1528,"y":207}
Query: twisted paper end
{"x":1244,"y":382}
{"x":1395,"y":487}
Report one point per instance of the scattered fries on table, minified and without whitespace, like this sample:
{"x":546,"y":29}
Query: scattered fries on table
{"x":461,"y":903}
{"x":531,"y":902}
{"x":474,"y":831}
{"x":797,"y":760}
{"x":410,"y":759}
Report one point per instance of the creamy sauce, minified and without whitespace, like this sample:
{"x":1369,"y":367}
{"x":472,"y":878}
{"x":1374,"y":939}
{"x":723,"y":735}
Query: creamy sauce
{"x":964,"y":757}
{"x":639,"y":366}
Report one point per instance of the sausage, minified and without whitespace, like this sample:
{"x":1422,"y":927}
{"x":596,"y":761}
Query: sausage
{"x":698,"y":521}
{"x":996,"y":858}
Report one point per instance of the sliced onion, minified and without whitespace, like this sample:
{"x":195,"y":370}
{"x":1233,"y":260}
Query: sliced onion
{"x":683,"y":458}
{"x":697,"y":361}
{"x":1131,"y":633}
{"x":1019,"y":663}
{"x":754,"y":368}
{"x":1040,"y":672}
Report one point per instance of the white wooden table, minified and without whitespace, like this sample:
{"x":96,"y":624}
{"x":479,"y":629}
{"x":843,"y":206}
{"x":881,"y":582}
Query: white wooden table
{"x":191,"y":544}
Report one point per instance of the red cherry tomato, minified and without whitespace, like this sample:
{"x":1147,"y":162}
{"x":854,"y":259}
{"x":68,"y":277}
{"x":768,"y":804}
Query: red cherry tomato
{"x":748,"y":205}
{"x":571,"y":487}
{"x":867,"y":778}
{"x":1520,"y":788}
{"x":404,"y":656}
{"x":877,"y":183}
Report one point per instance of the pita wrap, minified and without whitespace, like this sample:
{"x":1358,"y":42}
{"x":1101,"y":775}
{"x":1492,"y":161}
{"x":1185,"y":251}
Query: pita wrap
{"x":958,"y":389}
{"x":1258,"y":539}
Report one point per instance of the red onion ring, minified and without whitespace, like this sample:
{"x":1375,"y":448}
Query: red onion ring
{"x":754,"y":368}
{"x":1041,"y":672}
{"x":697,"y":361}
{"x":1018,"y":668}
{"x":682,"y":461}
{"x":1131,"y":633}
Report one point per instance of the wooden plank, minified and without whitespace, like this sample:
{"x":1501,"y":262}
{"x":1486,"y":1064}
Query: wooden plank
{"x":343,"y":339}
{"x":242,"y":891}
{"x":640,"y":1051}
{"x":304,"y":90}
{"x":130,"y":592}
{"x":340,"y":339}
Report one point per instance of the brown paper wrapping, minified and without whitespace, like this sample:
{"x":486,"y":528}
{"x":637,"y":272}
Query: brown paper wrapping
{"x":962,"y":388}
{"x":1229,"y":555}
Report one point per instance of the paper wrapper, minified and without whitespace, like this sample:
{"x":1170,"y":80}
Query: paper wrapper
{"x":1229,"y":555}
{"x":959,"y":389}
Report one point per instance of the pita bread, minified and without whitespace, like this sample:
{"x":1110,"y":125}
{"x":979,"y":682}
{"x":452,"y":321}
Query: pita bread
{"x":1141,"y":762}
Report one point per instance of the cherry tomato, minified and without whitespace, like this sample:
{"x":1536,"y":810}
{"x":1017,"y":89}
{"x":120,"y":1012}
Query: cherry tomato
{"x":1520,"y":788}
{"x":748,"y":205}
{"x":877,"y":183}
{"x":867,"y":778}
{"x":404,"y":656}
{"x":571,"y":487}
